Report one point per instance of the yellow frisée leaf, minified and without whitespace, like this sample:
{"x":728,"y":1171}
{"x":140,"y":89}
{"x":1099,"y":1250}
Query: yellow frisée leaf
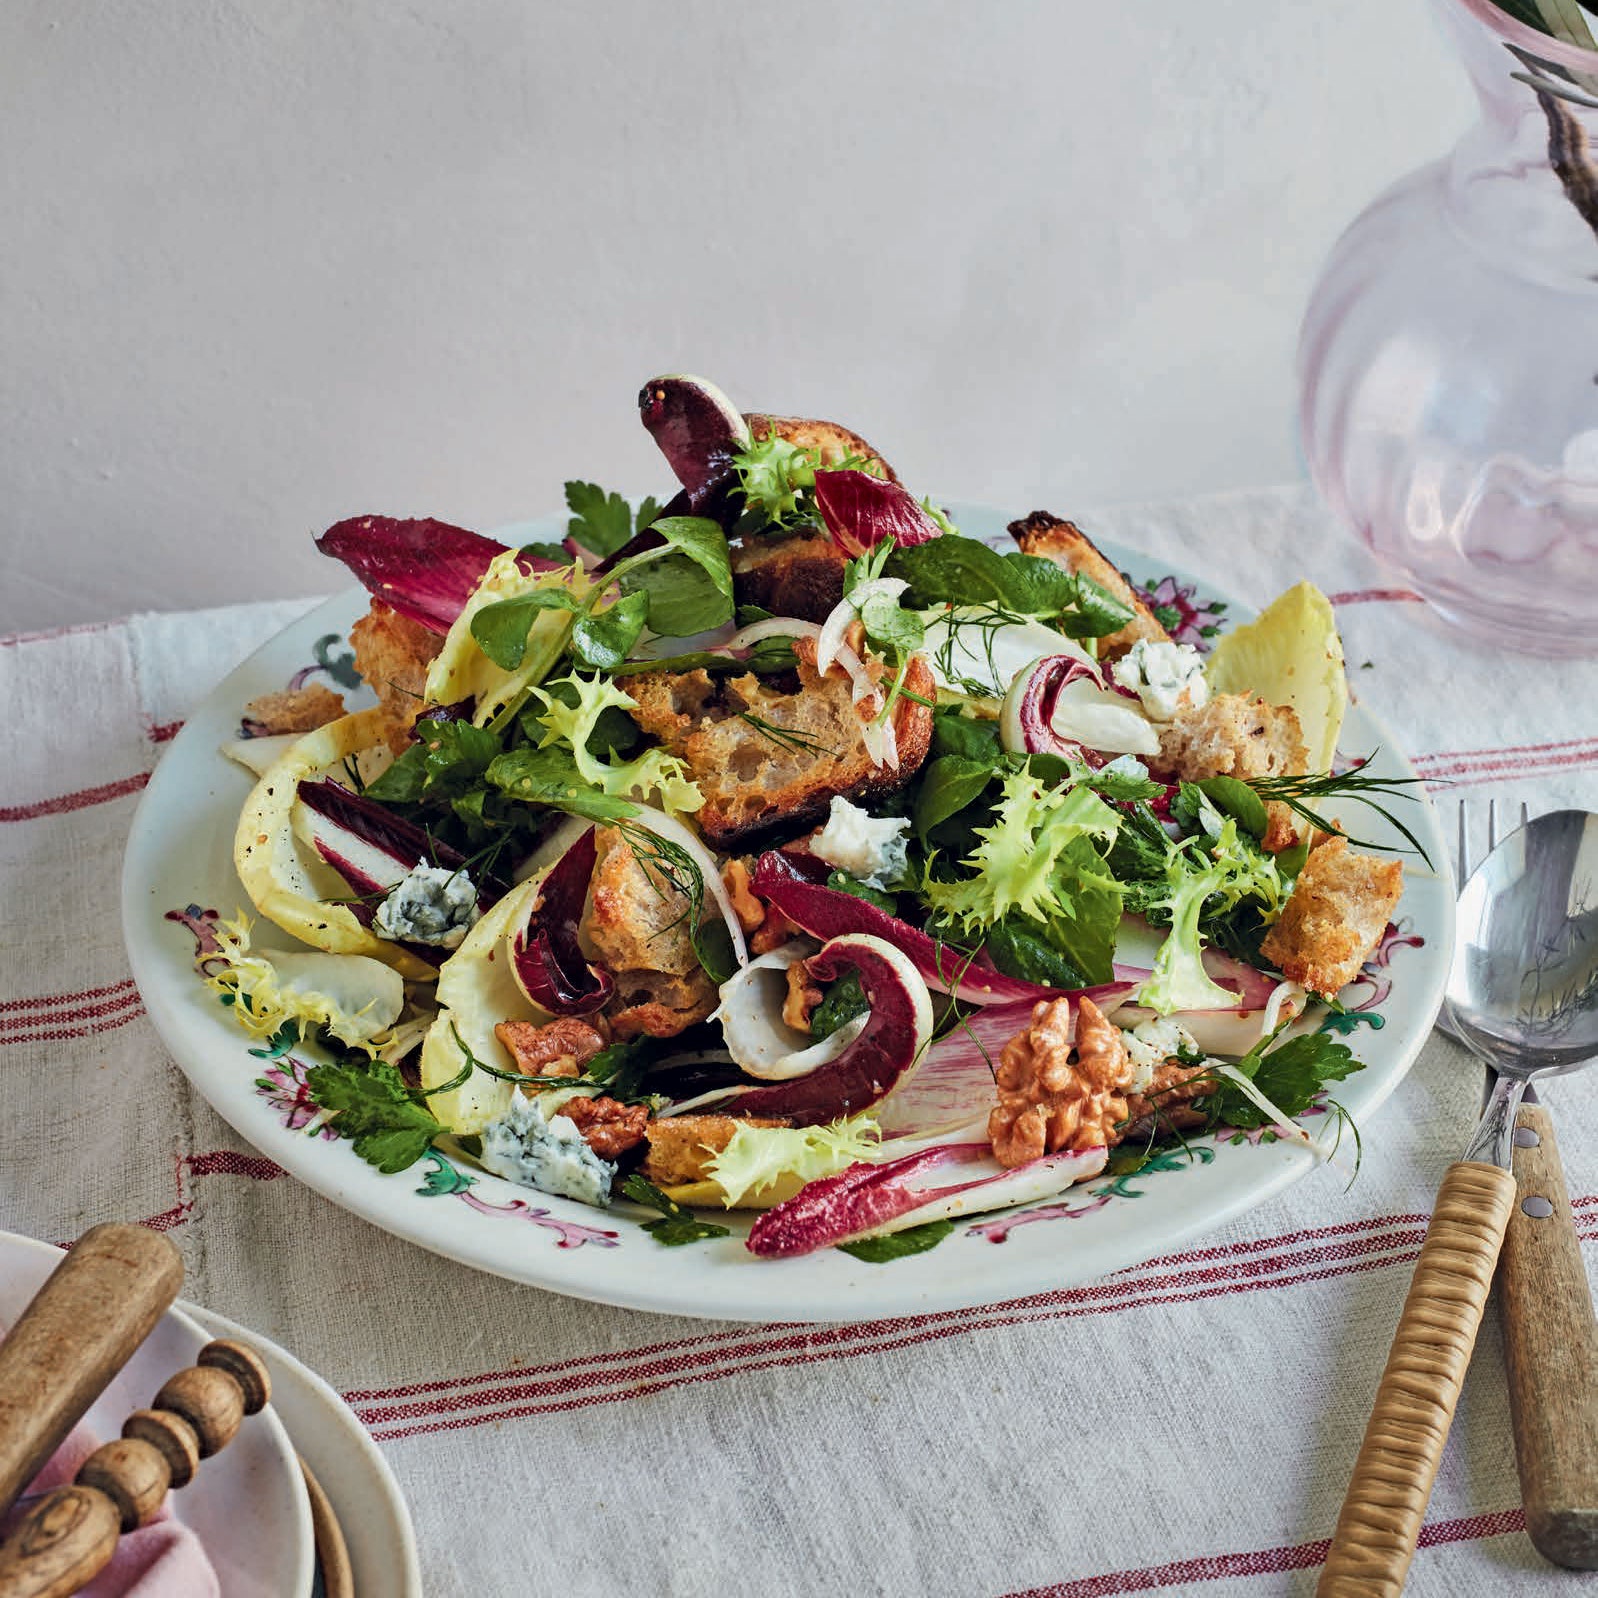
{"x":1291,"y":655}
{"x":653,"y":772}
{"x":356,"y":998}
{"x":461,"y":670}
{"x":287,"y":881}
{"x":758,"y":1158}
{"x":1014,"y":864}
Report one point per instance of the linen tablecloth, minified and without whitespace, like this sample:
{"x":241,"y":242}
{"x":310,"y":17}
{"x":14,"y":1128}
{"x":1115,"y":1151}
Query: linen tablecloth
{"x":1186,"y":1426}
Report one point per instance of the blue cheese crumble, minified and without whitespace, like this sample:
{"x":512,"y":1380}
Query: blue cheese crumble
{"x":872,"y":850}
{"x":1166,"y":677}
{"x":428,"y":905}
{"x":549,"y":1154}
{"x":1150,"y":1045}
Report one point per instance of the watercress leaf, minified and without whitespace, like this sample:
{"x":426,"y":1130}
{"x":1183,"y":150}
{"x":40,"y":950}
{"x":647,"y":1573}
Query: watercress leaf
{"x":891,"y":628}
{"x":604,"y":638}
{"x":1020,"y":948}
{"x":844,"y":883}
{"x":841,"y":1001}
{"x":954,"y":570}
{"x":501,"y":628}
{"x":954,"y":734}
{"x":1238,"y":800}
{"x":404,"y":782}
{"x":770,"y":656}
{"x":550,"y":777}
{"x":897,"y":1245}
{"x":600,"y":522}
{"x":948,"y":785}
{"x":748,"y":615}
{"x":371,"y":1105}
{"x":713,"y":947}
{"x":1087,"y":910}
{"x":688,"y":579}
{"x":677,"y":1225}
{"x":1096,"y":612}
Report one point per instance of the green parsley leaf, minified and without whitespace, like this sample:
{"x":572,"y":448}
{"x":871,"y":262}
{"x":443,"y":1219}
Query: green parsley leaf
{"x":677,"y":1225}
{"x":371,"y":1105}
{"x":1291,"y":1075}
{"x":600,"y":522}
{"x":898,"y":1245}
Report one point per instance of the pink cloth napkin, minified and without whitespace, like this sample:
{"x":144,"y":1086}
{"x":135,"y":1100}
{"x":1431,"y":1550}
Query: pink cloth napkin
{"x":161,"y":1559}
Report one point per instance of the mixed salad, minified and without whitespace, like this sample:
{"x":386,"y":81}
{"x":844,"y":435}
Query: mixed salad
{"x":778,"y":847}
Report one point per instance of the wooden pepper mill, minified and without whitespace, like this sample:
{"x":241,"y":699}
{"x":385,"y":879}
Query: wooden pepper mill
{"x":69,"y":1535}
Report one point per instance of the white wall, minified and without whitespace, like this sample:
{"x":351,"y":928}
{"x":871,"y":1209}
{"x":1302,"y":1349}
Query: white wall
{"x":264,"y":265}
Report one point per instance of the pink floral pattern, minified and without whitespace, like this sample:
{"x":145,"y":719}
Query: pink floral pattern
{"x":1182,"y":613}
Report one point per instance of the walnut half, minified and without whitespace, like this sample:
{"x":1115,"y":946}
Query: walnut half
{"x":1062,"y":1083}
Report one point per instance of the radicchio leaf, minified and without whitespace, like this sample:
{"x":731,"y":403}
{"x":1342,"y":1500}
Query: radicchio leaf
{"x":796,"y":885}
{"x":880,"y":1059}
{"x":887,"y":1198}
{"x":545,"y":955}
{"x":698,"y":430}
{"x":424,"y":569}
{"x":861,"y":510}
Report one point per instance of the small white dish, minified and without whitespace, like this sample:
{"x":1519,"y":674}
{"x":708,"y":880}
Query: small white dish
{"x":247,"y":1505}
{"x":342,"y":1456}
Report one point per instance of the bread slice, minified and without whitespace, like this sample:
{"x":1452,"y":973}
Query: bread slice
{"x":637,"y":927}
{"x":392,"y":654}
{"x":790,"y":574}
{"x":758,"y":783}
{"x":1334,"y":918}
{"x":1232,"y":736}
{"x":801,"y":573}
{"x":832,"y":442}
{"x":1068,"y":546}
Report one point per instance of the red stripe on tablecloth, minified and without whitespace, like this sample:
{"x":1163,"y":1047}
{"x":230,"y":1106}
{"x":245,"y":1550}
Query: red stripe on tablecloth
{"x":1376,"y":596}
{"x":1512,"y":769}
{"x":162,"y":732}
{"x":65,"y":1034}
{"x":919,"y":1334}
{"x":1265,"y":1561}
{"x":68,"y":1001}
{"x":229,"y":1162}
{"x":1506,"y":749}
{"x":81,"y":800}
{"x":1127,"y":1280}
{"x":1118,"y":1293}
{"x":11,"y":640}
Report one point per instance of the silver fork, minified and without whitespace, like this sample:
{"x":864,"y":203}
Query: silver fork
{"x":1464,"y":864}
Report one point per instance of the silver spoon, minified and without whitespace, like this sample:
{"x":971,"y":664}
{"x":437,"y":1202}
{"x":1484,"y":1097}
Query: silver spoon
{"x":1523,"y":993}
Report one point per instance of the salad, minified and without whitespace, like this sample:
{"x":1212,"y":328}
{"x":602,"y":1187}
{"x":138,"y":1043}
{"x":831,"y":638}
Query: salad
{"x":777,"y":847}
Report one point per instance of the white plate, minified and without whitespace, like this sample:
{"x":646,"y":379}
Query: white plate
{"x":367,"y":1500}
{"x":247,"y":1504}
{"x":180,"y":854}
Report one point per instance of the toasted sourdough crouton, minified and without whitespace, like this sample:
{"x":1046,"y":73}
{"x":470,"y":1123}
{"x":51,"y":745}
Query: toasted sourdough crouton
{"x":1334,"y":917}
{"x":638,"y":929}
{"x":392,"y":654}
{"x":830,"y":441}
{"x":1231,"y":736}
{"x":680,"y":1146}
{"x":795,"y":574}
{"x":295,"y":709}
{"x":757,"y":781}
{"x":799,"y":574}
{"x":1067,"y":545}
